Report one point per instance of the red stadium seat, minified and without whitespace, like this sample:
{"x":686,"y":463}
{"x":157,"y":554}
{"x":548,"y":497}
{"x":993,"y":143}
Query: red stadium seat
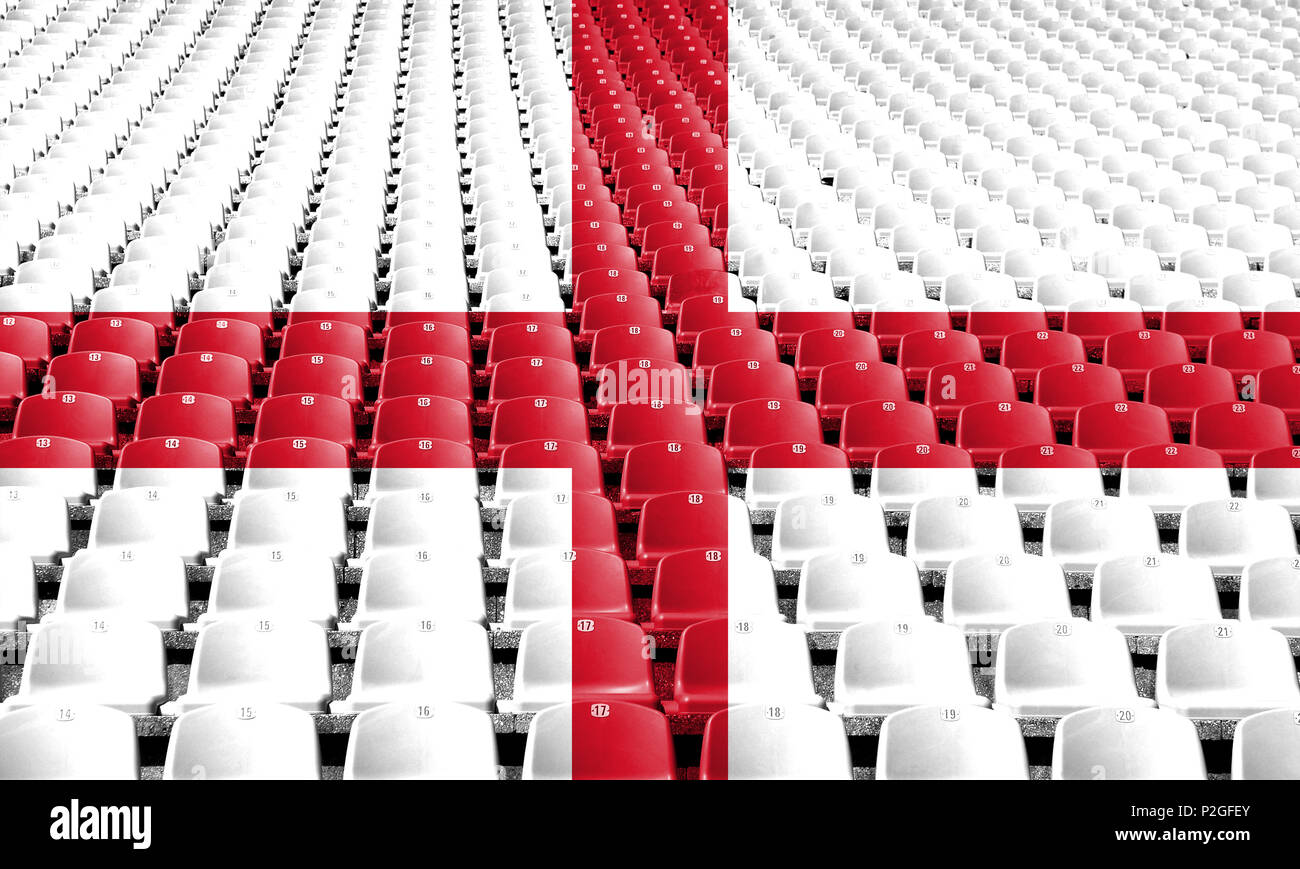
{"x":26,"y":337}
{"x":920,"y":351}
{"x":681,"y":258}
{"x":618,"y":309}
{"x":529,"y":339}
{"x":600,"y":586}
{"x":681,"y":520}
{"x":298,"y":452}
{"x":869,"y":426}
{"x":713,"y":346}
{"x":13,"y":379}
{"x":1064,"y":388}
{"x":1282,"y":322}
{"x":631,"y":342}
{"x":642,"y":422}
{"x":690,"y":587}
{"x":81,"y":416}
{"x":235,"y":337}
{"x":581,"y":458}
{"x":661,"y":467}
{"x":459,"y":318}
{"x":889,"y":326}
{"x":421,"y":417}
{"x":990,"y":428}
{"x":46,"y":451}
{"x":957,"y":385}
{"x":195,"y":415}
{"x":170,"y":452}
{"x":1237,"y":430}
{"x":600,"y":282}
{"x":790,"y":325}
{"x":1280,"y":387}
{"x":696,"y":282}
{"x":1198,"y":326}
{"x":761,"y":421}
{"x":586,"y":257}
{"x":163,"y":321}
{"x":423,"y":453}
{"x":1111,"y":429}
{"x":1049,"y":455}
{"x":744,"y":379}
{"x":427,"y":339}
{"x":358,"y":318}
{"x":1172,"y":456}
{"x":621,"y":741}
{"x":326,"y":337}
{"x":701,"y":312}
{"x":111,"y":375}
{"x":668,"y":210}
{"x":526,"y":419}
{"x":426,"y":375}
{"x":1246,"y":353}
{"x":798,"y":454}
{"x":641,"y":380}
{"x":1094,"y":327}
{"x":1278,"y":457}
{"x":298,"y":415}
{"x":1181,"y":389}
{"x":318,"y":374}
{"x":993,"y":326}
{"x":1027,"y":353}
{"x":818,"y":348}
{"x":128,"y":337}
{"x":701,"y":675}
{"x":534,"y":376}
{"x":843,"y":383}
{"x":220,"y":374}
{"x":667,"y":233}
{"x":1136,"y":353}
{"x":609,"y":663}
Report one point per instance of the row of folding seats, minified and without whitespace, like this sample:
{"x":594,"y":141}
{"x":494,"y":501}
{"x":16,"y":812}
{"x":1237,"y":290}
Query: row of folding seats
{"x":249,"y":741}
{"x":775,"y":741}
{"x":1048,"y":667}
{"x":623,"y":741}
{"x":1138,"y":589}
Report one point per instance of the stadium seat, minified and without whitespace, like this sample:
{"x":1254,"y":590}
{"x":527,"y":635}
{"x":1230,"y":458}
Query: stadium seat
{"x":950,"y":743}
{"x":260,"y":661}
{"x":1080,"y":532}
{"x":66,"y":742}
{"x":946,"y":527}
{"x":1149,"y":592}
{"x":1265,"y":746}
{"x":887,"y":665}
{"x":726,"y":662}
{"x":120,"y":665}
{"x":592,"y":660}
{"x":548,"y":466}
{"x":1269,"y":595}
{"x":1055,"y":667}
{"x":421,"y":741}
{"x":1168,"y":477}
{"x":602,"y":740}
{"x":989,"y":593}
{"x":1109,"y":430}
{"x":232,"y":741}
{"x":1126,"y":744}
{"x":761,"y":741}
{"x":419,"y":660}
{"x":1224,"y":670}
{"x":843,"y":587}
